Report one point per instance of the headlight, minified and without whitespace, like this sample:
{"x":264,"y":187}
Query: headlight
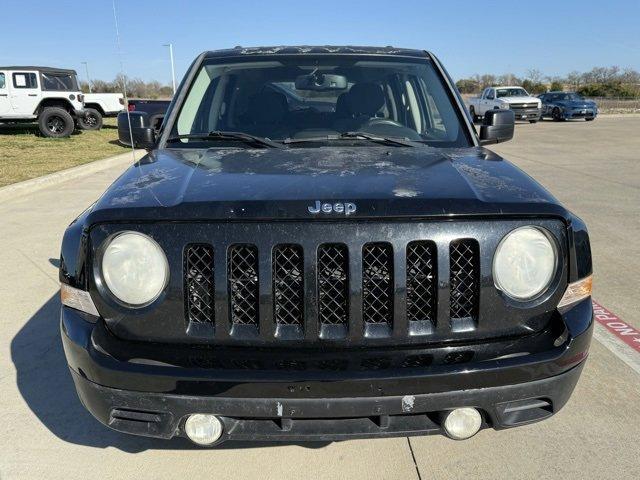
{"x":504,"y":106}
{"x":524,"y":263}
{"x":134,"y":268}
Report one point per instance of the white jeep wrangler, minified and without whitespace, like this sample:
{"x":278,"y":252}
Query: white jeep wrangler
{"x":50,"y":96}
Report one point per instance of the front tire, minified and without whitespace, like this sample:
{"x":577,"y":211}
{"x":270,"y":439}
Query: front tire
{"x":55,"y":122}
{"x":533,"y":121}
{"x":92,"y":120}
{"x":474,"y":117}
{"x":557,"y":115}
{"x":590,"y":119}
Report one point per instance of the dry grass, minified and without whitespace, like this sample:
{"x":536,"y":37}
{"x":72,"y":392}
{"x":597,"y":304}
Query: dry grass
{"x":25,"y":155}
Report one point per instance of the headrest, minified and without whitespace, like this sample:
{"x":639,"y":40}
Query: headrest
{"x":365,"y":99}
{"x":267,"y":107}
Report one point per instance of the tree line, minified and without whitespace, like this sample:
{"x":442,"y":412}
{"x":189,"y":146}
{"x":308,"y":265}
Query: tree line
{"x":136,"y":88}
{"x":612,"y":82}
{"x":598,"y":82}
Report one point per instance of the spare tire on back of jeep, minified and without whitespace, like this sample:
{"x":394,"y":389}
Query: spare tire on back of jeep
{"x":55,"y":122}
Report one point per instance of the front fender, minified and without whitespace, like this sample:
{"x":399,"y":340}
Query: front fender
{"x":73,"y":252}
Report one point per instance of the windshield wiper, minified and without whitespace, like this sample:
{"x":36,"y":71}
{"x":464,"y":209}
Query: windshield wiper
{"x":375,"y":138}
{"x":222,"y":135}
{"x":354,"y":135}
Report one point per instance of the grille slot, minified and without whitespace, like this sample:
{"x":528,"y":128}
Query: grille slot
{"x":243,"y":284}
{"x":333,"y":284}
{"x":464,"y":265}
{"x":198,"y":283}
{"x":421,"y":282}
{"x":377,"y":284}
{"x":288,"y":285}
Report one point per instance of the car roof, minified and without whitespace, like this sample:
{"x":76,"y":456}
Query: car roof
{"x":317,"y":50}
{"x":40,"y":69}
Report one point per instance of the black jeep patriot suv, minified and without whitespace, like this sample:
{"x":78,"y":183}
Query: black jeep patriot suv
{"x":318,"y":247}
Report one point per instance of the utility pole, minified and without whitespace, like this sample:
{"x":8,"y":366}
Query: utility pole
{"x":173,"y":68}
{"x":86,"y":69}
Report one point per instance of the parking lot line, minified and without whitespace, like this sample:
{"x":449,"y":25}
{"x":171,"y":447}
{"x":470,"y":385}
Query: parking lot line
{"x":617,"y":336}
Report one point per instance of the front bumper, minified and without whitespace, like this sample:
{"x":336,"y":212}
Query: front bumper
{"x":579,"y":113}
{"x":527,"y":114}
{"x":151,"y":399}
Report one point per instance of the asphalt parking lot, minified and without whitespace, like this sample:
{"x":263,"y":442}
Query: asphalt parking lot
{"x":594,"y":168}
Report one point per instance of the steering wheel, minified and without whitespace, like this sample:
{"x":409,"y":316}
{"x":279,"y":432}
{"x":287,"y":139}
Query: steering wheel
{"x":385,"y":121}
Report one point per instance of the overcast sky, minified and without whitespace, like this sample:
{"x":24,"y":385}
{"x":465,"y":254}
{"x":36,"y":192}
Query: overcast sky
{"x":469,"y":37}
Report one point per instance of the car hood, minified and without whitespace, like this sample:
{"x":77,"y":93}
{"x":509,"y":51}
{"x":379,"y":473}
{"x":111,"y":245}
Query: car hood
{"x":520,"y":99}
{"x":190,"y":184}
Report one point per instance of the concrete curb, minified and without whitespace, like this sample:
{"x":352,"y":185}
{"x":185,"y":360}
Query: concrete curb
{"x":31,"y":185}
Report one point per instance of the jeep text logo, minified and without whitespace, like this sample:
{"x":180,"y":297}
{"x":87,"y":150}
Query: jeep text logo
{"x":347,"y":208}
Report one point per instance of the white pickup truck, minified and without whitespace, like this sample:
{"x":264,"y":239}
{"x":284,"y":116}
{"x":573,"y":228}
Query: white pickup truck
{"x":524,"y":106}
{"x":108,"y":104}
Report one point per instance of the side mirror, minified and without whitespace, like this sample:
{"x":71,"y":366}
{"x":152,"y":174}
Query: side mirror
{"x":144,"y":137}
{"x":497,"y":126}
{"x":142,"y":130}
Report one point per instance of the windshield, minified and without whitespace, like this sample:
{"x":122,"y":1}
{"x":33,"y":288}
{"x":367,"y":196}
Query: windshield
{"x":321,"y":97}
{"x":569,"y":96}
{"x":65,"y":82}
{"x":512,"y":92}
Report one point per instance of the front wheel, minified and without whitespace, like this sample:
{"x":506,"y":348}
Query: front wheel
{"x":590,"y":119}
{"x":55,"y":122}
{"x":474,"y":117}
{"x":533,"y":121}
{"x":557,"y":115}
{"x":92,"y":120}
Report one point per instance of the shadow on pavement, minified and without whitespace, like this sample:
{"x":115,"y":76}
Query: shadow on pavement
{"x":45,"y":384}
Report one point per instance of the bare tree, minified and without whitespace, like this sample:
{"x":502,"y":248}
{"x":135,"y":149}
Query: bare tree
{"x":534,"y":75}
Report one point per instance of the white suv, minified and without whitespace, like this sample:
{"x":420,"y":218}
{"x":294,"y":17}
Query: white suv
{"x":50,"y":96}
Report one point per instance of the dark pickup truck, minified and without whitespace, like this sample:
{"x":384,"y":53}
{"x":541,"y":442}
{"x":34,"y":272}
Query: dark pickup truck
{"x":141,"y":114}
{"x":317,"y":246}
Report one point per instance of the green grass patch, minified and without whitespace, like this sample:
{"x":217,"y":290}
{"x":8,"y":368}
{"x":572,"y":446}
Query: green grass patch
{"x":25,"y":155}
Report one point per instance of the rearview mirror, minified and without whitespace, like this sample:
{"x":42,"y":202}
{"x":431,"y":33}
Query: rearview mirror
{"x":143,"y":131}
{"x":497,"y":126}
{"x":321,"y":81}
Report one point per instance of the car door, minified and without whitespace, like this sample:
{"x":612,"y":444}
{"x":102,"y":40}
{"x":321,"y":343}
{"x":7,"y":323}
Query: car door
{"x":24,"y":92}
{"x":5,"y":103}
{"x":487,"y":103}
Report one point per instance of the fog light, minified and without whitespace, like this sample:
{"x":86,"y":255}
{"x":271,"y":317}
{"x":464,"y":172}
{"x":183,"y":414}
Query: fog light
{"x":203,"y":429}
{"x":462,"y":423}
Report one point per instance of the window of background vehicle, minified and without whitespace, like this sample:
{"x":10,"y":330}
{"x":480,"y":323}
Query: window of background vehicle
{"x":2,"y":82}
{"x":25,"y":80}
{"x":512,"y":92}
{"x":59,"y":82}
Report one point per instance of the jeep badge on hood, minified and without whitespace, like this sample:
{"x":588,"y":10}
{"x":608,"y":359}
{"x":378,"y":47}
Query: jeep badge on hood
{"x":347,"y":208}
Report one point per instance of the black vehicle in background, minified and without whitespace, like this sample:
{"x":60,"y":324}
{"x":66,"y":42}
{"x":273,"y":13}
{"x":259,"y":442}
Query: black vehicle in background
{"x":318,"y":247}
{"x":141,"y":113}
{"x":567,"y":106}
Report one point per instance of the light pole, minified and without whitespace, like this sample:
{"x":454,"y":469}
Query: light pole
{"x":86,"y":69}
{"x":173,"y":69}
